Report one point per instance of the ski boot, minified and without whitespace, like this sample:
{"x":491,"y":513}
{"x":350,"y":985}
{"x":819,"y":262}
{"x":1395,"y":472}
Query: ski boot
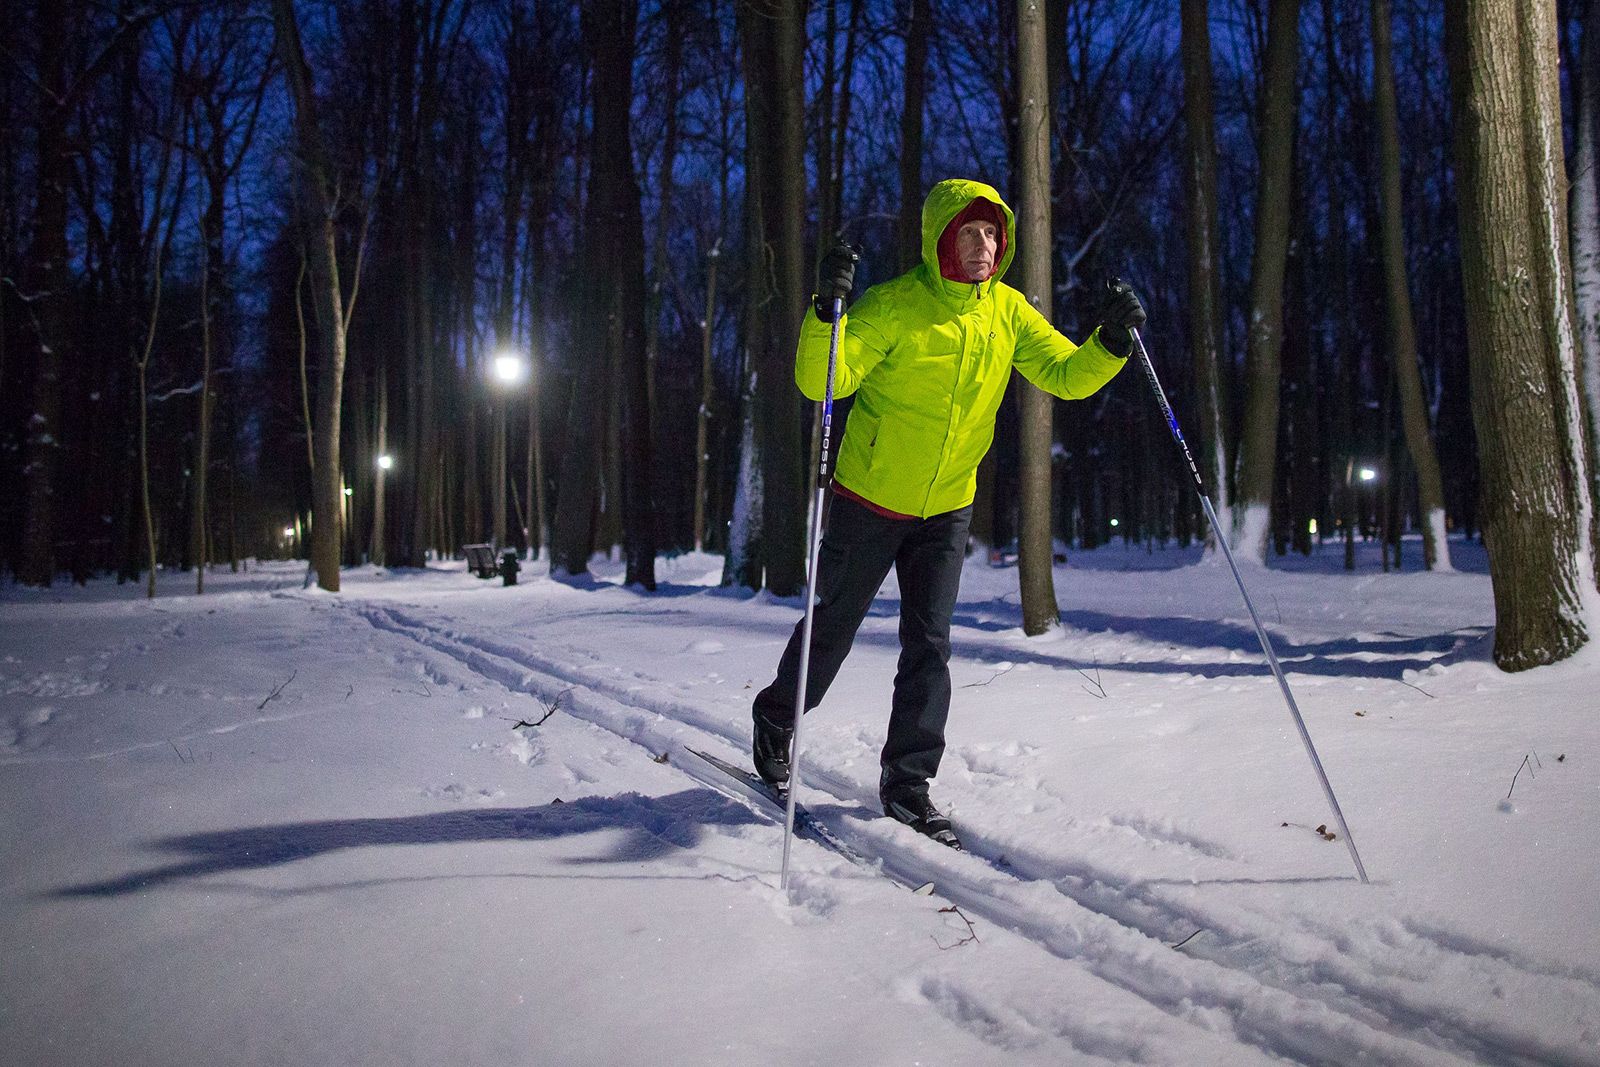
{"x":916,"y":810}
{"x":770,"y":751}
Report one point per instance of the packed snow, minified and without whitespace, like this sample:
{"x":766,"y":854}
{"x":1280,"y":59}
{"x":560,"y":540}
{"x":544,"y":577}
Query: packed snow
{"x":434,"y":820}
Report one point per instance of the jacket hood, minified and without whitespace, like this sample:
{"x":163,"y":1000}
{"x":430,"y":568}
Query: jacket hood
{"x":945,"y":201}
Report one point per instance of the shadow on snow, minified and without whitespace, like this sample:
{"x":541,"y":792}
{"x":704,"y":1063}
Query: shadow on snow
{"x":652,"y":823}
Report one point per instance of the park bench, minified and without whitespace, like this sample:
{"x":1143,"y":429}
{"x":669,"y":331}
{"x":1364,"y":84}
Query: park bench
{"x":481,"y":560}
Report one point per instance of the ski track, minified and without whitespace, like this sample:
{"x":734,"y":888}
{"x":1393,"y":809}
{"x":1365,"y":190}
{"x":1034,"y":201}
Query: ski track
{"x":1371,"y":998}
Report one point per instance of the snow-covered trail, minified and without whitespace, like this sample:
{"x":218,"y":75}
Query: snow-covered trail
{"x":391,"y":849}
{"x":1304,"y":983}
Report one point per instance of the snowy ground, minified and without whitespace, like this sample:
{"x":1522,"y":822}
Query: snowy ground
{"x":275,"y":826}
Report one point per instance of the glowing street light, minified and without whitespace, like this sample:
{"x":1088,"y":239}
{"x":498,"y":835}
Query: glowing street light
{"x":288,"y":531}
{"x":510,"y":367}
{"x":1367,"y":474}
{"x":386,"y":462}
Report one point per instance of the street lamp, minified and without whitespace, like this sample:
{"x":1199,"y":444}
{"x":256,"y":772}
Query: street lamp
{"x":509,"y":369}
{"x":386,"y":462}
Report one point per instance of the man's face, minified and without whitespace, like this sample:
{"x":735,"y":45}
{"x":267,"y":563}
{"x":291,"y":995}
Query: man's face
{"x":976,"y":243}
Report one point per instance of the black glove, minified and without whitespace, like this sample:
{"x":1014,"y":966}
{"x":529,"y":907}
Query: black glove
{"x":1119,"y":312}
{"x":836,"y":276}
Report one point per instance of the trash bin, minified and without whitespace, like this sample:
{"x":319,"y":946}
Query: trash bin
{"x":509,"y":566}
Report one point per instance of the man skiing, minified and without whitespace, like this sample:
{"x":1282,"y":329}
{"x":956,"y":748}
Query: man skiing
{"x":928,"y":355}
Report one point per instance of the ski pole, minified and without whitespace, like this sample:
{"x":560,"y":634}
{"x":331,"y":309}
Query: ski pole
{"x":1261,"y":631}
{"x":811,"y":588}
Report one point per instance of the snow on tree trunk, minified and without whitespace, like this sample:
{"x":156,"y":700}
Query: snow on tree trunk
{"x":1205,"y":327}
{"x":1258,"y":446}
{"x":772,"y":39}
{"x":742,"y":566}
{"x":1402,"y":331}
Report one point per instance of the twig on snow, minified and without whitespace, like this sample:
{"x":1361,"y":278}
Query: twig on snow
{"x":1096,"y":680}
{"x":1521,"y":765}
{"x":972,"y":931}
{"x":549,"y":709}
{"x":278,"y":691}
{"x":1002,"y":671}
{"x":1188,"y":939}
{"x":1418,"y":688}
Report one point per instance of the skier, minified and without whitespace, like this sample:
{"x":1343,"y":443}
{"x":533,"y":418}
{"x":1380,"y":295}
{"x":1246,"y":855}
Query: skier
{"x":928,"y":355}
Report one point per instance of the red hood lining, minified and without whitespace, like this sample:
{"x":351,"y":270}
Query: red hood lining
{"x":977,"y":210}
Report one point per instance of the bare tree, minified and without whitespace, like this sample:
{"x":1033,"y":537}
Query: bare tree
{"x":1522,"y":339}
{"x":1205,"y":252}
{"x":1402,"y":328}
{"x":230,"y":83}
{"x":612,"y":312}
{"x":772,"y":38}
{"x":1258,"y":448}
{"x":63,"y":73}
{"x":1584,"y":222}
{"x":317,"y":188}
{"x":1035,"y":550}
{"x":909,"y":229}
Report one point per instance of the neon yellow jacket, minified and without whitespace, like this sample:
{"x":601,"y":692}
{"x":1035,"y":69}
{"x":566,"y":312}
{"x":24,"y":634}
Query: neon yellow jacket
{"x":928,"y":360}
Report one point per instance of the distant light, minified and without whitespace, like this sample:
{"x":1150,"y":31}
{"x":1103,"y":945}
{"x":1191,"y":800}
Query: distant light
{"x":510,"y":368}
{"x":349,"y":491}
{"x":385,"y":462}
{"x":1311,"y":527}
{"x":1116,"y":522}
{"x":288,"y":531}
{"x":1367,"y":474}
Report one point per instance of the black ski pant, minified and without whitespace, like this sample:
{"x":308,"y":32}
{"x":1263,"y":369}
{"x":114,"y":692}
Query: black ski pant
{"x":857,"y":551}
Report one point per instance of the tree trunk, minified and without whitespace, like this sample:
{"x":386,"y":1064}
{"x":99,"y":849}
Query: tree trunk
{"x":327,"y":500}
{"x":305,"y":384}
{"x":832,"y":207}
{"x":708,"y":396}
{"x":1402,"y":331}
{"x":1584,"y":223}
{"x":772,"y":33}
{"x":1521,"y":336}
{"x":612,"y":313}
{"x":49,"y":276}
{"x":1205,"y":253}
{"x":1259,"y":444}
{"x":202,"y":456}
{"x":742,"y":565}
{"x":909,"y":228}
{"x":660,"y":262}
{"x":380,"y":481}
{"x":1035,"y":550}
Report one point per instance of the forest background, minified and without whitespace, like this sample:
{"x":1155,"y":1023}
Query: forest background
{"x":529,"y":273}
